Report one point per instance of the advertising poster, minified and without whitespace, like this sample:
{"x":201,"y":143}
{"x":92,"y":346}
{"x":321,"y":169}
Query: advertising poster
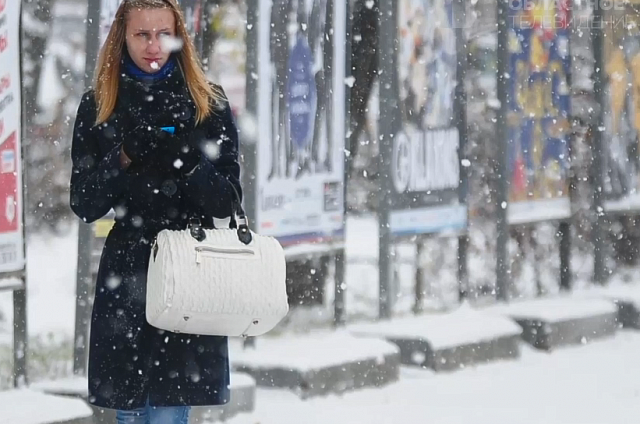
{"x":539,"y":109}
{"x":11,"y":231}
{"x":425,"y":164}
{"x":622,"y":109}
{"x":301,"y":119}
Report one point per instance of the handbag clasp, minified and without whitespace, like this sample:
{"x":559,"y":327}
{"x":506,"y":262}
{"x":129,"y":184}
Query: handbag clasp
{"x":196,"y":230}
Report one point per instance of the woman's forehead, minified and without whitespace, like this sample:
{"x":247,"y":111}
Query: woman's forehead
{"x":151,"y":19}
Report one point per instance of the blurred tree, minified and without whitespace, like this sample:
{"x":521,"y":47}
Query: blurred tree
{"x":36,"y":24}
{"x":364,"y":65}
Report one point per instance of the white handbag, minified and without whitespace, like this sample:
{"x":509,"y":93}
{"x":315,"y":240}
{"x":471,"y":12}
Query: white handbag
{"x":222,"y":282}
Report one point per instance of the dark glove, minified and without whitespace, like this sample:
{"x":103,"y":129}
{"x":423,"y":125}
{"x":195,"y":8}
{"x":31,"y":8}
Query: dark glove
{"x":164,"y":109}
{"x":180,"y":152}
{"x":140,"y":143}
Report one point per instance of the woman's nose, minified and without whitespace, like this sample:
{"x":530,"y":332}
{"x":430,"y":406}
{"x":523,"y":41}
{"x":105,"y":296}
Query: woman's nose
{"x":154,"y":46}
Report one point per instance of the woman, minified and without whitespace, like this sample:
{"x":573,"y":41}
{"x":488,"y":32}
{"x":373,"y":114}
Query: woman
{"x":153,"y":179}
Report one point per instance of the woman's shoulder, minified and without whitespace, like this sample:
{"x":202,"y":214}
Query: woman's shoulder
{"x":220,"y":102}
{"x":88,"y":102}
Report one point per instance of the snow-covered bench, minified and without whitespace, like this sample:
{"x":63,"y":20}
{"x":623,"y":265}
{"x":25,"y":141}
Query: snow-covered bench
{"x":243,"y":394}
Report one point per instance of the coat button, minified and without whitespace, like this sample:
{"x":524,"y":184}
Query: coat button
{"x":185,"y":114}
{"x":169,"y":187}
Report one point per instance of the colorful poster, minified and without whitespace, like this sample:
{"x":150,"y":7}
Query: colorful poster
{"x":425,"y":164}
{"x":538,"y":112}
{"x":302,"y":120}
{"x":11,"y":204}
{"x":622,"y":110}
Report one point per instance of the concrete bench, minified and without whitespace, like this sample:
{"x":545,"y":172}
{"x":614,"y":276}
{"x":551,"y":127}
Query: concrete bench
{"x":553,"y":322}
{"x":448,"y":341}
{"x":243,"y":394}
{"x":319,"y":363}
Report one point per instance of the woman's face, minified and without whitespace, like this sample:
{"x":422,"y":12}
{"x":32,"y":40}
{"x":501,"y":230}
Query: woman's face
{"x":146,"y":29}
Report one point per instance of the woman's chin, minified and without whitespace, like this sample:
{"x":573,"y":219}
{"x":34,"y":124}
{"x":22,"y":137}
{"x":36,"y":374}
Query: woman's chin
{"x":151,"y":67}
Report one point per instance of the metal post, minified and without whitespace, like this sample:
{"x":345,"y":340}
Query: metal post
{"x":20,"y":327}
{"x":339,"y":312}
{"x":388,"y":48}
{"x":419,"y":286}
{"x":461,"y":117}
{"x":248,"y":146}
{"x":20,"y":342}
{"x":564,"y":229}
{"x":502,"y":186}
{"x":85,"y":234}
{"x":598,"y":233}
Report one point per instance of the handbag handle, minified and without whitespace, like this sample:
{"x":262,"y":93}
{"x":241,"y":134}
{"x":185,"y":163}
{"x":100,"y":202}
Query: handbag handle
{"x":238,"y":220}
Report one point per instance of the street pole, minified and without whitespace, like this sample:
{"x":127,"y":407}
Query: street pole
{"x":20,"y":327}
{"x":85,"y":235}
{"x":248,"y":141}
{"x":461,"y":117}
{"x":564,"y":229}
{"x":387,"y":44}
{"x":502,"y":186}
{"x":598,"y":233}
{"x":339,"y":311}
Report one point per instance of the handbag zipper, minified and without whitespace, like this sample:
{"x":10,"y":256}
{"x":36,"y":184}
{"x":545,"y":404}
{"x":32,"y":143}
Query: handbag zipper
{"x":200,"y":249}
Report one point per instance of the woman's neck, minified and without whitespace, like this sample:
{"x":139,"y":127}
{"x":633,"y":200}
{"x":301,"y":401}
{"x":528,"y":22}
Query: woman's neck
{"x":131,"y":69}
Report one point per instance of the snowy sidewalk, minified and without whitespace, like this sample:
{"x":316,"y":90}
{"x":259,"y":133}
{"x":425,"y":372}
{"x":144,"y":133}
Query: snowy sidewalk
{"x":30,"y":407}
{"x":593,"y":384}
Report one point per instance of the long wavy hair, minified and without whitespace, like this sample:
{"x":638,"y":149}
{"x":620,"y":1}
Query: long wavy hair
{"x":205,"y":95}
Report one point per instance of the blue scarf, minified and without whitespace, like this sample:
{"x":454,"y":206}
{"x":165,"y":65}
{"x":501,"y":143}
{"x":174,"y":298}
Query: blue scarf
{"x":135,"y":72}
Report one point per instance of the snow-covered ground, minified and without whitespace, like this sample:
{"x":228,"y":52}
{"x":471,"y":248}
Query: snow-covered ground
{"x":51,"y":267}
{"x":593,"y":384}
{"x":597,"y":383}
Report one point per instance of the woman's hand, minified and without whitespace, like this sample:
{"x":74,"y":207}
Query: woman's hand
{"x":140,"y":143}
{"x":125,"y":161}
{"x":165,"y":109}
{"x":180,"y":152}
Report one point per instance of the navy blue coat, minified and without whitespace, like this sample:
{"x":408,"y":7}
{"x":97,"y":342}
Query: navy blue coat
{"x":129,"y":360}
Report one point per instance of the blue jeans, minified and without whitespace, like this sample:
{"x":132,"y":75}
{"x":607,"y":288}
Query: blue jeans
{"x":154,"y":415}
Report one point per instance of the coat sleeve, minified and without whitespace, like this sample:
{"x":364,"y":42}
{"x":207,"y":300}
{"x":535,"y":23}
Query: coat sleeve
{"x":97,"y":180}
{"x":210,"y":185}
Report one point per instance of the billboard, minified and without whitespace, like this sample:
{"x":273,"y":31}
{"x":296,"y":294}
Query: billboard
{"x":538,"y":111}
{"x":425,"y":166}
{"x":622,"y":109}
{"x":11,"y":202}
{"x":301,"y":117}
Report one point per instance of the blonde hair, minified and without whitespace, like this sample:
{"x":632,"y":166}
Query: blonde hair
{"x":204,"y":95}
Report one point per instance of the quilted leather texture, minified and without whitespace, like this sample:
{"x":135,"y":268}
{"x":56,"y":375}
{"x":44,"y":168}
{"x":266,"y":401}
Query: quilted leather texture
{"x":219,"y":286}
